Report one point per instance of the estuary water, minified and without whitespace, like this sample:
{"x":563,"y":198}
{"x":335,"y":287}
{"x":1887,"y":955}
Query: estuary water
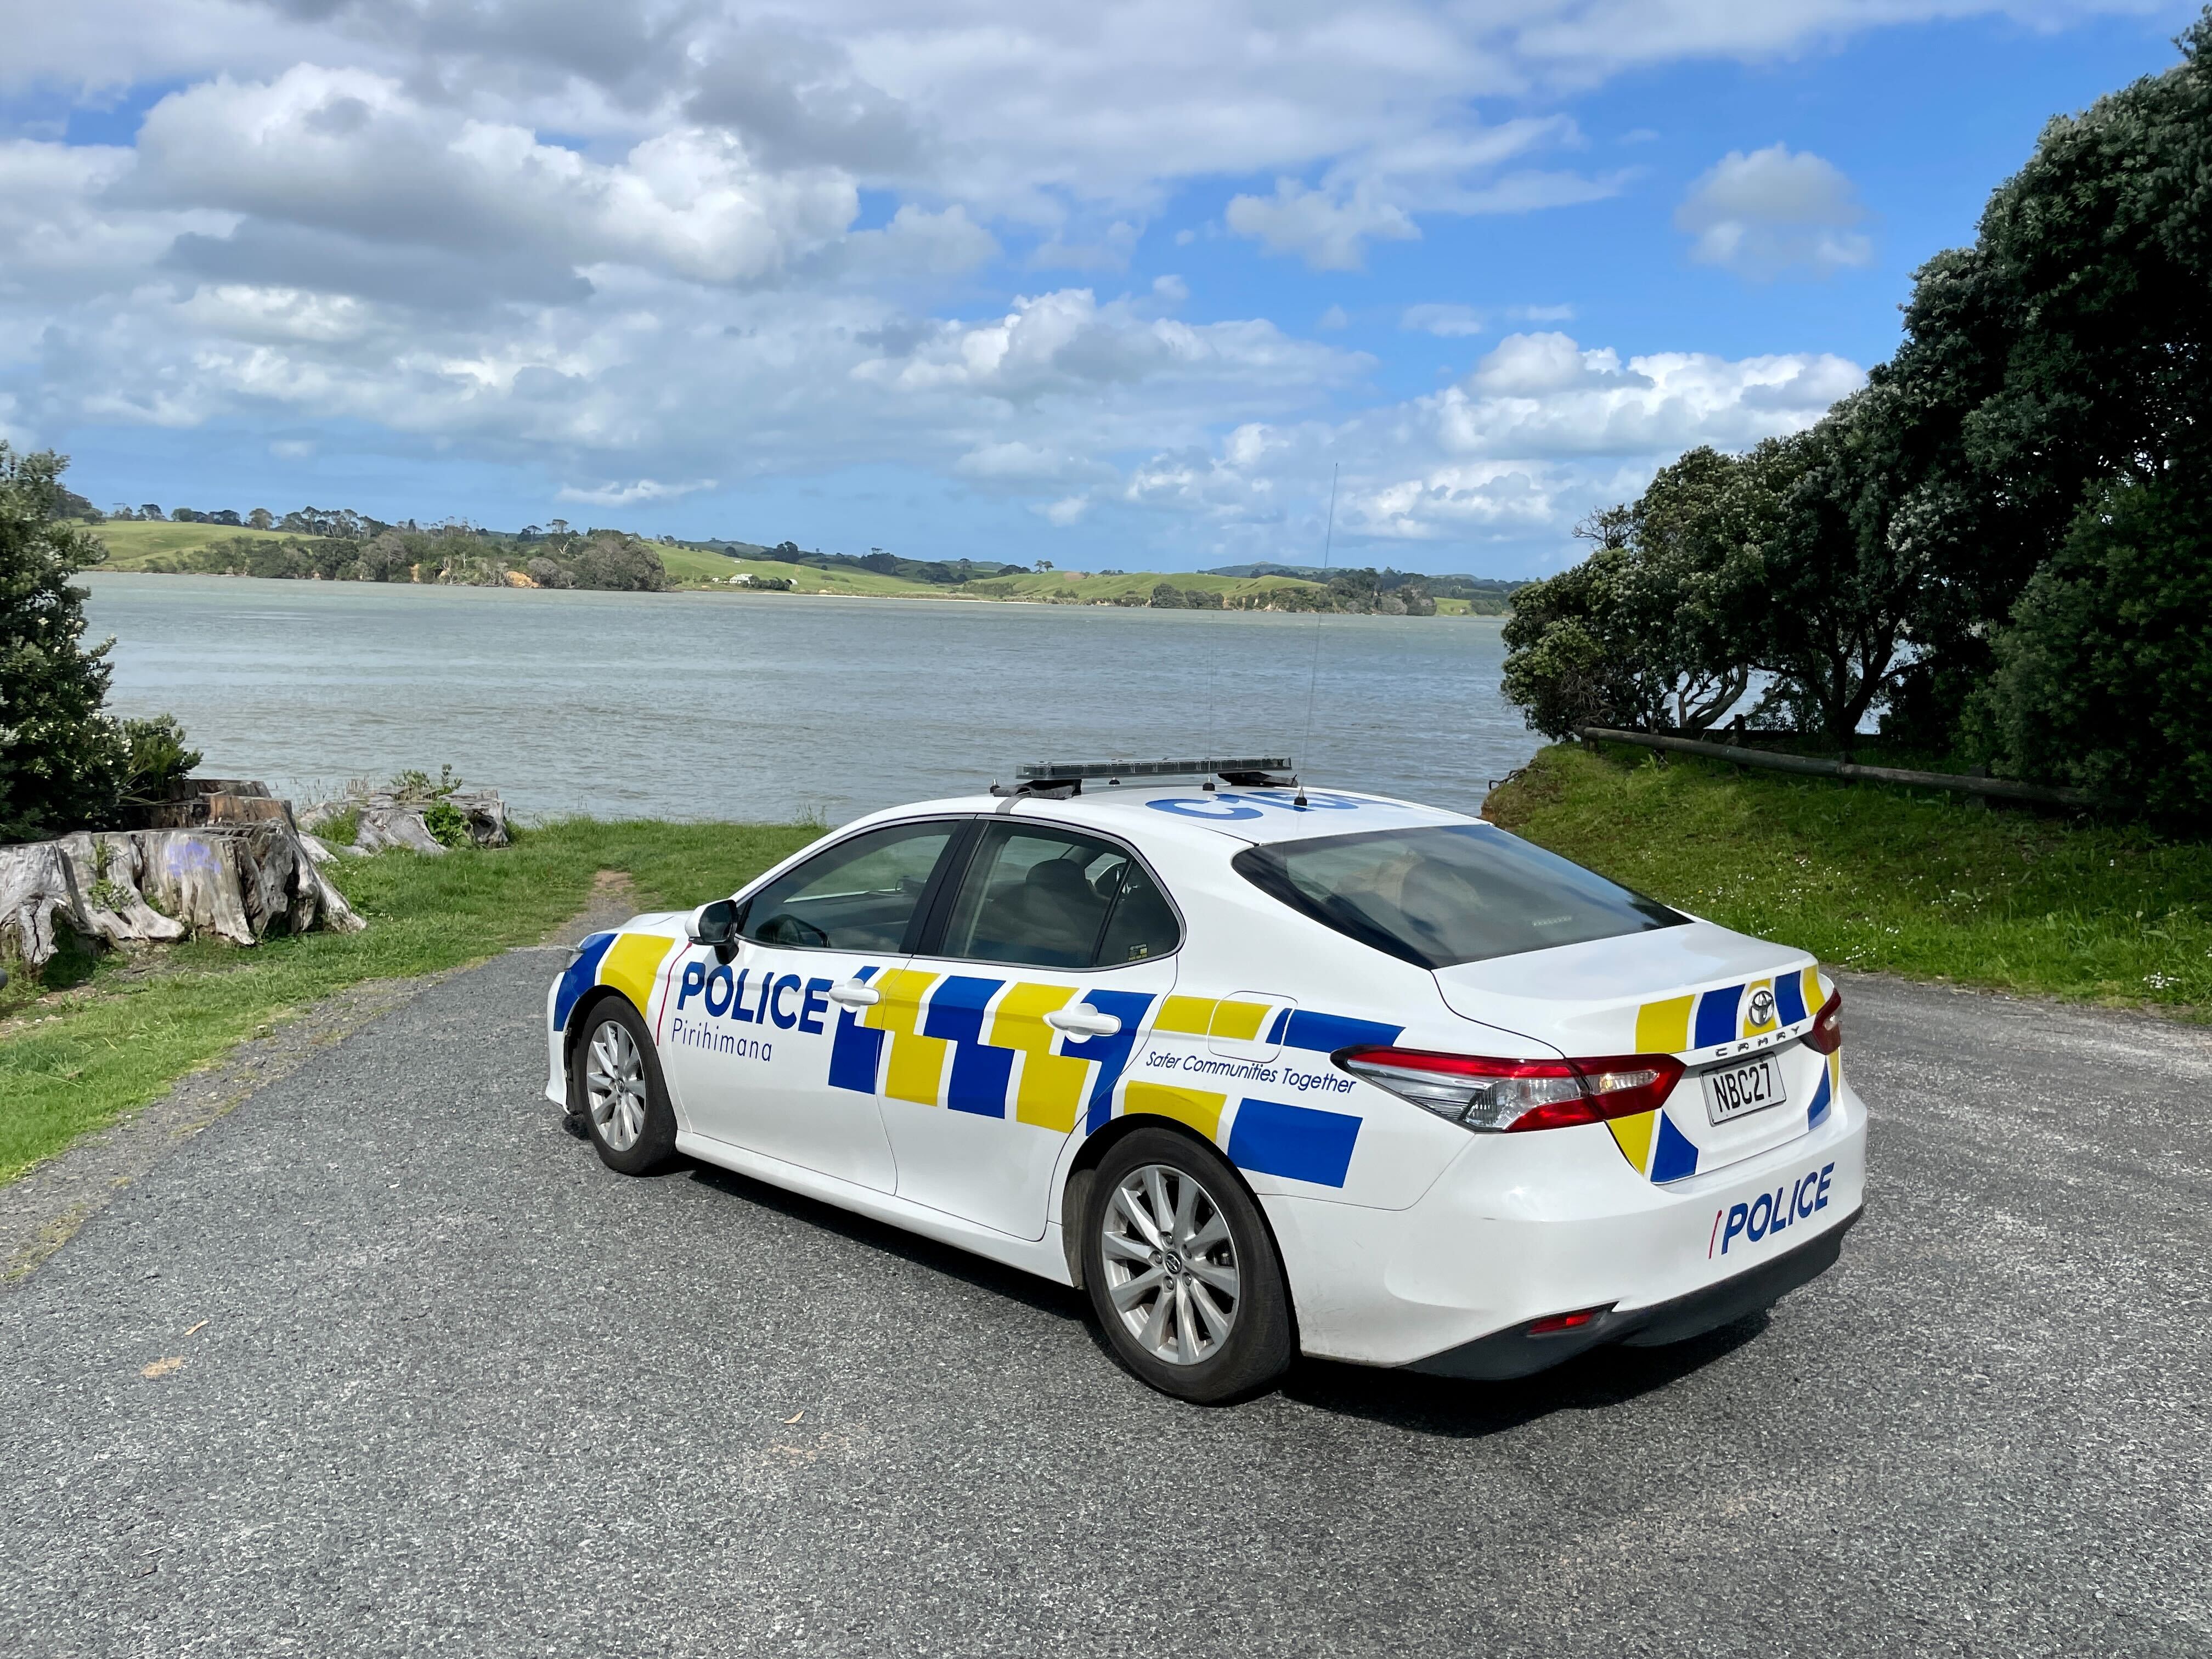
{"x":769,"y":706}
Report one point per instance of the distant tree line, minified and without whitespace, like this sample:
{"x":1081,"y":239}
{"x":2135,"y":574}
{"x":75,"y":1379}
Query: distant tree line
{"x":941,"y":573}
{"x":1359,"y":593}
{"x":307,"y":521}
{"x":1485,"y":596}
{"x":2000,"y":549}
{"x":456,"y":554}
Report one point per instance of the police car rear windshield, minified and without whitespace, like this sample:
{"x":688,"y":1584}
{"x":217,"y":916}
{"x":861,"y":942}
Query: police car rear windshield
{"x":1448,"y":895}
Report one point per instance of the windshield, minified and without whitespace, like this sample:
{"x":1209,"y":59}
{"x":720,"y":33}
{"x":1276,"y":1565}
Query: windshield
{"x":1452,"y":894}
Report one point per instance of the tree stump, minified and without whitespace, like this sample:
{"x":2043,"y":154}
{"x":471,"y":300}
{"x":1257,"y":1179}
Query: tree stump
{"x":386,"y":819}
{"x":109,"y":868}
{"x":36,"y":885}
{"x":238,"y":882}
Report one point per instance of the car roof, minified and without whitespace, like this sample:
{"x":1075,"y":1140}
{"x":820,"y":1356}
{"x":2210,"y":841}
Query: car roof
{"x":1189,"y":814}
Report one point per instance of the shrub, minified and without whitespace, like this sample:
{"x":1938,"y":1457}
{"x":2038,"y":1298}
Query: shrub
{"x":447,"y":824}
{"x":61,"y":760}
{"x":610,"y":560}
{"x":342,"y":827}
{"x":1562,"y":666}
{"x":416,"y":785}
{"x":2104,"y":677}
{"x":157,"y":760}
{"x":386,"y":558}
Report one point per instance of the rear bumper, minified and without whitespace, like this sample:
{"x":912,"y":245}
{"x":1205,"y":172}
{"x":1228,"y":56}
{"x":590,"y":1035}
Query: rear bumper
{"x":1520,"y":1228}
{"x":1518,"y":1353}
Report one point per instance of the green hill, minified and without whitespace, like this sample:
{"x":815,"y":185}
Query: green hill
{"x":139,"y":546}
{"x":1036,"y":586}
{"x":129,"y":545}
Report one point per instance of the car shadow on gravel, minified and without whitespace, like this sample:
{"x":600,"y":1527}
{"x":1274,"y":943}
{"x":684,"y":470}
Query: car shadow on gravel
{"x":1464,"y":1410}
{"x":979,"y":1271}
{"x":1452,"y":1408}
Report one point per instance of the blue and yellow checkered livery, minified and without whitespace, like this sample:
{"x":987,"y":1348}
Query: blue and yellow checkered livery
{"x":1687,"y":1026}
{"x":970,"y":1043}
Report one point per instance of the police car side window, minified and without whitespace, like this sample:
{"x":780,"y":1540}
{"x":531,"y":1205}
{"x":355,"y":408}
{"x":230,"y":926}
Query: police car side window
{"x":860,"y":895}
{"x":1144,"y":923}
{"x":1040,"y":897}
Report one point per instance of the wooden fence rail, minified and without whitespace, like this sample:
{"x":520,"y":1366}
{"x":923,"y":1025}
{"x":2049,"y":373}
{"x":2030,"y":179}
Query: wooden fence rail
{"x":2001,"y":788}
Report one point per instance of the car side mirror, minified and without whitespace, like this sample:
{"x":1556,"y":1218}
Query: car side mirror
{"x":716,"y":924}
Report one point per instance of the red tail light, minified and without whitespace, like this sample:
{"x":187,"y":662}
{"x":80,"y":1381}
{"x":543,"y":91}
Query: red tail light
{"x":1505,"y":1095}
{"x":1828,"y":1033}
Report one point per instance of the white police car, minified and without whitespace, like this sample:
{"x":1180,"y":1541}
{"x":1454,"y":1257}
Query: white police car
{"x":1263,"y":1070}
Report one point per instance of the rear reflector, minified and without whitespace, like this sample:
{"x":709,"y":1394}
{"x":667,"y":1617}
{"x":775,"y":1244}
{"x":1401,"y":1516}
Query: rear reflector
{"x":1552,"y":1324}
{"x":1479,"y":1092}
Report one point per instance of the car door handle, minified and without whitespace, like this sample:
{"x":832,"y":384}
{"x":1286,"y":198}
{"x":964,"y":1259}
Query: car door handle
{"x":854,"y":994}
{"x":1083,"y":1022}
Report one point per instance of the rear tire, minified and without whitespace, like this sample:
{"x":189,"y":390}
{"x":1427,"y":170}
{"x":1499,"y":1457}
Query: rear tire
{"x":614,"y":1077}
{"x":1183,"y":1271}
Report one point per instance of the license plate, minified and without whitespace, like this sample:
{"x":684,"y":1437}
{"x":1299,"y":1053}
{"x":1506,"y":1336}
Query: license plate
{"x":1734,"y":1092}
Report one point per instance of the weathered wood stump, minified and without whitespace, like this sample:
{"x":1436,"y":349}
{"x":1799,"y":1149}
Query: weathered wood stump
{"x":238,"y":882}
{"x":387,"y":820}
{"x":35,"y":887}
{"x":109,"y":869}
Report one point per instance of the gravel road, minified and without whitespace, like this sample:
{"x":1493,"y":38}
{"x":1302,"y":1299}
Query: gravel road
{"x":384,"y":1362}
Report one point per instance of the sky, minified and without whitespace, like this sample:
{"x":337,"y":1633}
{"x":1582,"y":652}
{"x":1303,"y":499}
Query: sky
{"x":1133,"y":286}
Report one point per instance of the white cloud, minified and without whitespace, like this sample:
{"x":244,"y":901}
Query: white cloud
{"x":1775,"y":211}
{"x":1543,"y":395}
{"x":59,"y":232}
{"x":1539,"y":433}
{"x":1108,"y":250}
{"x":1067,"y":342}
{"x":1446,"y":321}
{"x":1375,"y":193}
{"x":348,"y":152}
{"x":633,"y":495}
{"x":917,"y":241}
{"x":1334,"y":318}
{"x":1329,"y":234}
{"x":1016,"y":462}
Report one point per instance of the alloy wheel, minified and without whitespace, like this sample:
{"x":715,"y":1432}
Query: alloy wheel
{"x":1170,"y":1264}
{"x":615,"y":1085}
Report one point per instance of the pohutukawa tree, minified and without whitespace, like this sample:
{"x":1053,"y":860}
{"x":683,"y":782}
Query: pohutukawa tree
{"x":2000,"y":545}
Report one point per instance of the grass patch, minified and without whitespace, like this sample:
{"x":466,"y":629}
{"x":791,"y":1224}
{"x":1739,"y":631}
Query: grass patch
{"x":1879,"y":878}
{"x":100,"y":1036}
{"x":812,"y":579}
{"x":689,"y":567}
{"x":130,"y":543}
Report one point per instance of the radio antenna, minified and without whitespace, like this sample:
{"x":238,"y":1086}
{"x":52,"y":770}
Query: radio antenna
{"x":1313,"y":681}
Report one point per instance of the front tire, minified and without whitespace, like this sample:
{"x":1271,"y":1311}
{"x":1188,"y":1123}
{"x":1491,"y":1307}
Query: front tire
{"x":614,"y":1076}
{"x":1183,"y":1271}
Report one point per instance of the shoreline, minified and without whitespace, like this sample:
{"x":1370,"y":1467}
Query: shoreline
{"x":96,"y":572}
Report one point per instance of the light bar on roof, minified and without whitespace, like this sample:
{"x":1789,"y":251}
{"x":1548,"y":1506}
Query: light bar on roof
{"x":1076,"y":771}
